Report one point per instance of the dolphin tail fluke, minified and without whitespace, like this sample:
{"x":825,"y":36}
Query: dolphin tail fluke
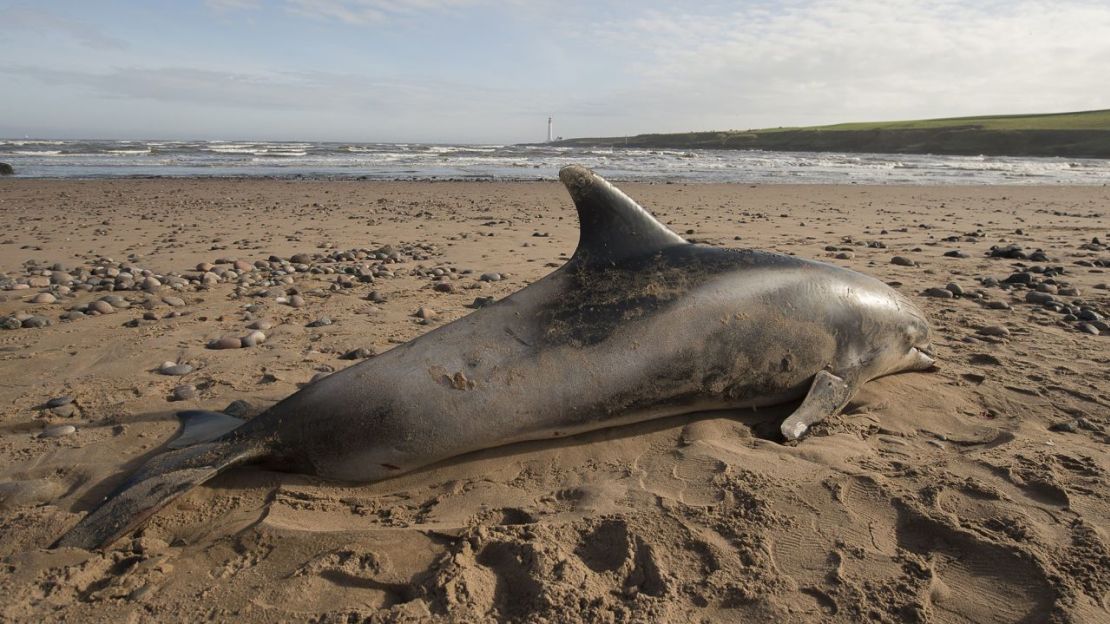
{"x":159,"y":482}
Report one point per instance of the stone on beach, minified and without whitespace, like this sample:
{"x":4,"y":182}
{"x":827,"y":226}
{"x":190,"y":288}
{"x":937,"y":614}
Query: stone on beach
{"x":226,"y":342}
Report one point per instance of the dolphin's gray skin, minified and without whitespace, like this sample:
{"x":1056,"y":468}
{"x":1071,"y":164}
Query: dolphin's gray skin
{"x":638,"y":324}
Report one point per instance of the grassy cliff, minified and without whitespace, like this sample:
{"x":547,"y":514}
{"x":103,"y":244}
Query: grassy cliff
{"x":1080,"y":135}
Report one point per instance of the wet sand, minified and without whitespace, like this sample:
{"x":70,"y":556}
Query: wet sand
{"x":976,"y":493}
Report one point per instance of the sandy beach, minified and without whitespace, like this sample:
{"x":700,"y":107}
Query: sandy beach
{"x":975,"y":493}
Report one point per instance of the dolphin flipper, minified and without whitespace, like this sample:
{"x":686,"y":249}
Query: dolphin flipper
{"x":827,"y":396}
{"x":159,"y":482}
{"x":199,"y":426}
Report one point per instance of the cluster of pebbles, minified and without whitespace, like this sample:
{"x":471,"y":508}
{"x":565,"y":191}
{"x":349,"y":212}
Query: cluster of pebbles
{"x":1044,"y":286}
{"x":273,"y":278}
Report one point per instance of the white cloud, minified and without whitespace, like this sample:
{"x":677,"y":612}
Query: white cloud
{"x":347,"y":11}
{"x":23,"y":20}
{"x":832,"y":60}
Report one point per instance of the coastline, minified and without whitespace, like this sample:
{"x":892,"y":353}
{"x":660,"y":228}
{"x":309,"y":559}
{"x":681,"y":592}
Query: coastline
{"x":953,"y":494}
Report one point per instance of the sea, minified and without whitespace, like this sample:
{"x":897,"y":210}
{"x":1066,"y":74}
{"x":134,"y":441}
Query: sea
{"x":411,"y":161}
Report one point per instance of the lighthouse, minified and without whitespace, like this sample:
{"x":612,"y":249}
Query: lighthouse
{"x":548,"y":129}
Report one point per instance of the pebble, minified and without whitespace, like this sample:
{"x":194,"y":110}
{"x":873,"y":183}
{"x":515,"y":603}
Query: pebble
{"x":1034,"y":296}
{"x":318,"y":377}
{"x":376,"y":297}
{"x":253,"y":339}
{"x":902,"y":261}
{"x":184,"y":392}
{"x":150,"y":284}
{"x":36,"y":322}
{"x":323,"y":321}
{"x":845,"y":255}
{"x":481,"y":302}
{"x":426,"y":313}
{"x":60,"y":401}
{"x":940,"y":293}
{"x":101,"y":307}
{"x":998,"y":305}
{"x":260,"y":324}
{"x":44,"y":298}
{"x":174,"y":302}
{"x":490,"y":277}
{"x":226,"y":342}
{"x":1087,"y":328}
{"x":237,"y":408}
{"x":243,"y":266}
{"x":994,"y":330}
{"x":58,"y":431}
{"x":64,"y":411}
{"x":175,"y":369}
{"x":296,"y":301}
{"x":956,"y":253}
{"x":10,"y":322}
{"x":955,"y":289}
{"x":360,"y":353}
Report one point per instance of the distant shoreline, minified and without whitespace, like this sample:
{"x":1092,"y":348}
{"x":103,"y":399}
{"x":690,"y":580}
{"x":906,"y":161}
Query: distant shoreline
{"x":1062,"y":135}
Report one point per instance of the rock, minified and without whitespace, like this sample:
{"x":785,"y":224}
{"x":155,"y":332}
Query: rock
{"x":1087,"y":328}
{"x":253,"y":339}
{"x":44,"y":298}
{"x":226,"y":342}
{"x":6,"y":169}
{"x":998,"y":305}
{"x":444,"y":287}
{"x":73,"y":315}
{"x":902,"y":261}
{"x":956,"y":253}
{"x":101,"y":307}
{"x":60,"y":401}
{"x":939,"y":293}
{"x":1068,"y":426}
{"x":184,"y":392}
{"x":237,"y":409}
{"x":150,"y":284}
{"x":58,"y":431}
{"x":1035,"y":296}
{"x":242,"y":266}
{"x":296,"y":301}
{"x":36,"y":322}
{"x":376,"y":297}
{"x":1068,"y":291}
{"x":260,"y":324}
{"x":10,"y":322}
{"x":175,"y":369}
{"x":955,"y":289}
{"x":205,"y":267}
{"x":1013,"y":252}
{"x":994,"y":330}
{"x":64,"y":411}
{"x":360,"y":353}
{"x":323,"y":321}
{"x":490,"y":277}
{"x":426,"y":313}
{"x":301,"y":258}
{"x":481,"y":302}
{"x":845,"y":255}
{"x":173,"y":302}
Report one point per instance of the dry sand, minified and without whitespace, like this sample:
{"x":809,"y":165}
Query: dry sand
{"x":942,"y":497}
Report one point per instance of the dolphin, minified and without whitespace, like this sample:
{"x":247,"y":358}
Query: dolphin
{"x":639,"y":324}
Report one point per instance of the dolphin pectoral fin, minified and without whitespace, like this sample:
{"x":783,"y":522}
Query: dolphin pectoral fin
{"x":612,"y":226}
{"x":158,"y":483}
{"x":827,"y":396}
{"x":199,"y":426}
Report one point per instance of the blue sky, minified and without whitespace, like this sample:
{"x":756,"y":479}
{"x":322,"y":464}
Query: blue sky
{"x":485,"y":71}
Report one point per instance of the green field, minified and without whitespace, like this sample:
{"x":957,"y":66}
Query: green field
{"x":1079,"y":134}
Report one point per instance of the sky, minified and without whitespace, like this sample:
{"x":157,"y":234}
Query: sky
{"x":476,"y":71}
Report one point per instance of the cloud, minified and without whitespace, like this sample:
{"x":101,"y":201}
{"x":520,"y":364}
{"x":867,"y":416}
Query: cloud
{"x":832,"y":60}
{"x":225,"y":6}
{"x":348,"y":11}
{"x":23,"y":20}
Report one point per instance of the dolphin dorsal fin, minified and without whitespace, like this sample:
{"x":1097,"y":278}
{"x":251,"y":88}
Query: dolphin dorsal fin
{"x":612,"y":227}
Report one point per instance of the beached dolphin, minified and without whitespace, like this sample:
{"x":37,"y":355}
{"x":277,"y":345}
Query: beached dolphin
{"x":638,"y":324}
